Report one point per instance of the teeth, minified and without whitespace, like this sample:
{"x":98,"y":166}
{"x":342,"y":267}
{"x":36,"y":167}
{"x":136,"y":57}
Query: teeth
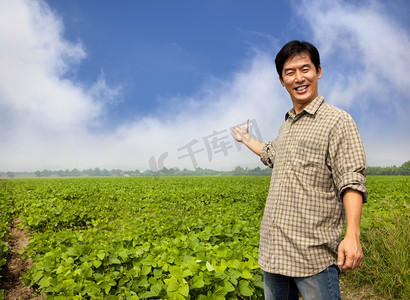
{"x":301,"y":88}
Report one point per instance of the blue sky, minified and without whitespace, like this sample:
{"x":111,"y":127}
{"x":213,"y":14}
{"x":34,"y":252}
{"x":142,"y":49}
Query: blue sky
{"x":159,"y":49}
{"x":147,"y":84}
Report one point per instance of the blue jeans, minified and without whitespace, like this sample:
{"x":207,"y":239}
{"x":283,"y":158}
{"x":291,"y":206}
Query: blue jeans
{"x":322,"y":286}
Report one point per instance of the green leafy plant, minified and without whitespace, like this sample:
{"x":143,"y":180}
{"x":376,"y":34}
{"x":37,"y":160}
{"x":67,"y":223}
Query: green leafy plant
{"x":5,"y":218}
{"x":178,"y":237}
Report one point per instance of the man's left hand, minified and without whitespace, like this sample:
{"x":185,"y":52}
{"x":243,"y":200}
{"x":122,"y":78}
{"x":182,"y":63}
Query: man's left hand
{"x":350,"y":254}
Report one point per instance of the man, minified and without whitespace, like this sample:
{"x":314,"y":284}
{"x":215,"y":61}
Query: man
{"x":318,"y":181}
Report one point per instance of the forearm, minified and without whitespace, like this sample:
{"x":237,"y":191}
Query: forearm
{"x":353,"y":202}
{"x":350,"y":254}
{"x":253,"y":144}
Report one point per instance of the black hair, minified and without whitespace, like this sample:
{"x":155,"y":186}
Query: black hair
{"x":294,"y":48}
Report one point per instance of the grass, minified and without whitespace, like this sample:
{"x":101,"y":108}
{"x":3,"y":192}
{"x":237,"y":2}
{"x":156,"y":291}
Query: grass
{"x":386,"y":239}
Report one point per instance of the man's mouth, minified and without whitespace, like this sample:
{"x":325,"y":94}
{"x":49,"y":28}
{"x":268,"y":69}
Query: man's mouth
{"x":301,"y":88}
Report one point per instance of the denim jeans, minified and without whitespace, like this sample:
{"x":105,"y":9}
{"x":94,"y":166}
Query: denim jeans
{"x":322,"y":286}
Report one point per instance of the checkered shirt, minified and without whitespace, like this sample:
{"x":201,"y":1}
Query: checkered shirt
{"x":315,"y":157}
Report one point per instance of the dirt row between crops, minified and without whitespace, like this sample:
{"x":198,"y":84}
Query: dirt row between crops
{"x":14,"y":288}
{"x":12,"y":272}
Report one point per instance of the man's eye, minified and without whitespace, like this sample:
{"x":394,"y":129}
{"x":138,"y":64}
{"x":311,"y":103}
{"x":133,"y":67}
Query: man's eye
{"x":305,"y":70}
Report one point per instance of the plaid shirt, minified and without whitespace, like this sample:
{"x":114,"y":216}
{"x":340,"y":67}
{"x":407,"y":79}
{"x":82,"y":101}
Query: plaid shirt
{"x":315,"y":157}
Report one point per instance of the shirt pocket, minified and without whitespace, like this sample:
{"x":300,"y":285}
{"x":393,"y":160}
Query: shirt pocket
{"x":309,"y":164}
{"x":309,"y":155}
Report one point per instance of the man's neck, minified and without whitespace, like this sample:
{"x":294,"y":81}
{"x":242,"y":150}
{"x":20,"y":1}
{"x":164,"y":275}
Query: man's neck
{"x":300,"y":107}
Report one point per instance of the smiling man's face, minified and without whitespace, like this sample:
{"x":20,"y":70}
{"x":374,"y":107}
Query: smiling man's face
{"x":300,"y":78}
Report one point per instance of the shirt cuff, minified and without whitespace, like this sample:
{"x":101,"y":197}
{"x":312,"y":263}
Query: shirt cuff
{"x":265,"y":155}
{"x":354,"y":181}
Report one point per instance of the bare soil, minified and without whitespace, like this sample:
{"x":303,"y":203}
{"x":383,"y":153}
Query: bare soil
{"x":11,"y":274}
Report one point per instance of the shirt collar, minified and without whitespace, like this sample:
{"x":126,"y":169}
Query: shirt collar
{"x":311,"y":108}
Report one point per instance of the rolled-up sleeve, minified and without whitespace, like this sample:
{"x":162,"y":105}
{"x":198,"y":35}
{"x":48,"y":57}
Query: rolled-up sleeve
{"x":348,"y":158}
{"x":268,"y":154}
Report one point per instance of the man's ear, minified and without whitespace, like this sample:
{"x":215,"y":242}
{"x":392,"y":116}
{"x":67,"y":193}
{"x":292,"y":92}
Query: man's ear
{"x":319,"y":72}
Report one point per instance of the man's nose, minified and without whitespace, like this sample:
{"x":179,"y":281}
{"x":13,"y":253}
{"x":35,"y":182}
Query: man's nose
{"x":299,"y":76}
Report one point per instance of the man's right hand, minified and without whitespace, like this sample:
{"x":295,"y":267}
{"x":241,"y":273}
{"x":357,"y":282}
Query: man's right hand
{"x":241,"y":133}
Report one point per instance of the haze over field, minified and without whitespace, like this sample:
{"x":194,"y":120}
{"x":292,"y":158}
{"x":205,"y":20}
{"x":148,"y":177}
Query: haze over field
{"x":145,"y":84}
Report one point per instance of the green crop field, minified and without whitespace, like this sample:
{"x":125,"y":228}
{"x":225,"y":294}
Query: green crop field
{"x":177,"y":237}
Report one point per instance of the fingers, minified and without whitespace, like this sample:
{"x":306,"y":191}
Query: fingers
{"x":360,"y":261}
{"x":235,"y":135}
{"x":239,"y":132}
{"x":244,"y":128}
{"x":236,"y":130}
{"x":349,"y":262}
{"x":352,"y":264}
{"x":247,"y":126}
{"x":341,"y":258}
{"x":350,"y":256}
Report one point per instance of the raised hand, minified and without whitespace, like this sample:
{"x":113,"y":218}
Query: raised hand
{"x":241,"y":133}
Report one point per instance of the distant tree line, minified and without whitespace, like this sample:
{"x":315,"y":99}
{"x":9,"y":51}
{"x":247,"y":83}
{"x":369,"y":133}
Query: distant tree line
{"x":238,"y":171}
{"x":404,"y":169}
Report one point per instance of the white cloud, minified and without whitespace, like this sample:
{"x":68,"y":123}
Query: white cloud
{"x":41,"y":112}
{"x":45,"y":118}
{"x":33,"y":59}
{"x":364,"y":53}
{"x":49,"y":118}
{"x":249,"y":94}
{"x":367,"y":40}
